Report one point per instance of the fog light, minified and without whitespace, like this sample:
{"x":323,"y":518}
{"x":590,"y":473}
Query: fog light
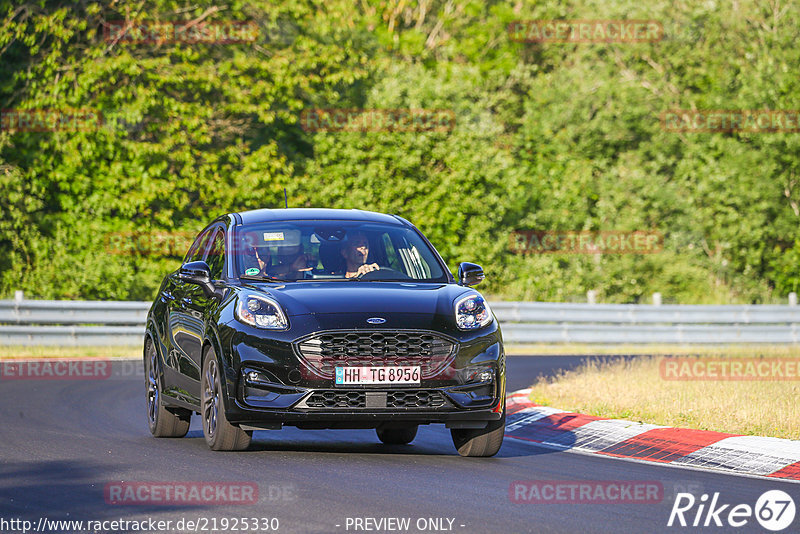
{"x":257,"y":378}
{"x":476,"y":375}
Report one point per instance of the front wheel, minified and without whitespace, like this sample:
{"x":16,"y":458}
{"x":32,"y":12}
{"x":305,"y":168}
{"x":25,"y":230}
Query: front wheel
{"x":481,"y":442}
{"x":162,"y":422}
{"x":220,"y":434}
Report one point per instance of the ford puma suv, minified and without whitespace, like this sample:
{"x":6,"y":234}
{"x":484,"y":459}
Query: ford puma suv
{"x":323,"y":319}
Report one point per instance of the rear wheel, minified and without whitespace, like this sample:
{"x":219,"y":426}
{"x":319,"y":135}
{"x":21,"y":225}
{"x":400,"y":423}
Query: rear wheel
{"x":480,"y":441}
{"x":397,"y":436}
{"x":220,"y":434}
{"x":162,"y":422}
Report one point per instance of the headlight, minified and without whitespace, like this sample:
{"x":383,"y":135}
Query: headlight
{"x":472,"y":312}
{"x":261,"y":312}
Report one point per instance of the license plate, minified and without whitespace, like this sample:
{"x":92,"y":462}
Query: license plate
{"x":377,"y":375}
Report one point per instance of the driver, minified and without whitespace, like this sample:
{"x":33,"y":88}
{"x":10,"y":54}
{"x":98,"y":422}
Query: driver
{"x":355,"y":251}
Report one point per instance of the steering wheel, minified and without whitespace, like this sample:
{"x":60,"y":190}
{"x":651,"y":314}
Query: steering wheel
{"x":384,"y":273}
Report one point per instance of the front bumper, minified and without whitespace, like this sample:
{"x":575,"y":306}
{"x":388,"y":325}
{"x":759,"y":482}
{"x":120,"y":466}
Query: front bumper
{"x":360,"y":419}
{"x":268,"y":385}
{"x":366,"y":407}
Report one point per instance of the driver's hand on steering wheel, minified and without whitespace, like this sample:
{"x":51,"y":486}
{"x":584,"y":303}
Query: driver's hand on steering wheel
{"x":367,"y":268}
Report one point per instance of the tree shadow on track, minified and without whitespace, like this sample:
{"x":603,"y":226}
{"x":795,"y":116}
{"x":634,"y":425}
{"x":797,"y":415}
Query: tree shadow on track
{"x":338,"y":441}
{"x":67,"y":490}
{"x":431,"y":441}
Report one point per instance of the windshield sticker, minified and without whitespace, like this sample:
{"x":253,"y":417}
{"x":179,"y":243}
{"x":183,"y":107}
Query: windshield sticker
{"x":273,"y":236}
{"x":252,"y":271}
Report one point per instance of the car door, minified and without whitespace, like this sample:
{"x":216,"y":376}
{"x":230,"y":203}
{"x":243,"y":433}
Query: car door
{"x":185,"y":327}
{"x":197,"y":308}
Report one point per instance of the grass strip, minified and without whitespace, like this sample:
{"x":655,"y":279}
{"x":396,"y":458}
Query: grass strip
{"x":636,"y":390}
{"x":16,"y":352}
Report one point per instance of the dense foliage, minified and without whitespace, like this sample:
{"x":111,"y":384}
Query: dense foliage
{"x":547,"y":136}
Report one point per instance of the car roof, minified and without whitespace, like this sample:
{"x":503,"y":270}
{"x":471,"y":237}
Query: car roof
{"x":314,"y":214}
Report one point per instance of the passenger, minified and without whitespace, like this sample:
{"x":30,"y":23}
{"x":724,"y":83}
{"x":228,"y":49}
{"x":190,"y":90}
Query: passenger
{"x":355,"y":251}
{"x":260,"y":259}
{"x":291,"y":263}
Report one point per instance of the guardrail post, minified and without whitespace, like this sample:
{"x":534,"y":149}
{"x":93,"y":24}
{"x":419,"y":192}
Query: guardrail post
{"x":792,"y":299}
{"x":18,"y":296}
{"x":591,"y":296}
{"x":656,"y":299}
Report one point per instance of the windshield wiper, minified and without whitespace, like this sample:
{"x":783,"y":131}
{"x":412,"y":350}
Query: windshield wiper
{"x":264,"y":278}
{"x":361,"y":279}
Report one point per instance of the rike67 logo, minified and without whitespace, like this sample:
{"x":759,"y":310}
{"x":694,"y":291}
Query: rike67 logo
{"x":774,"y":510}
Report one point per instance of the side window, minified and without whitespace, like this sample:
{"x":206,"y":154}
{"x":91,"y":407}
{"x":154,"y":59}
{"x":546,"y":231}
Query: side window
{"x":198,"y":247}
{"x":216,"y":255}
{"x":413,"y":265}
{"x":420,"y":264}
{"x":391,"y":254}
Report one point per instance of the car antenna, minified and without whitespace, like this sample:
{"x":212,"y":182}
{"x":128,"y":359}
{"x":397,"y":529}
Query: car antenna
{"x":285,"y":198}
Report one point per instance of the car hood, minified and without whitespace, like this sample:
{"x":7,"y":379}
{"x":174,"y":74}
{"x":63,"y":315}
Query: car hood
{"x":315,"y":298}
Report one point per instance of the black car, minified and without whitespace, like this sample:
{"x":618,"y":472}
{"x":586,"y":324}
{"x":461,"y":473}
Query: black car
{"x":323,"y":318}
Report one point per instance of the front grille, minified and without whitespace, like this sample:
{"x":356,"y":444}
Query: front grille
{"x":415,"y":399}
{"x":337,"y":399}
{"x":324,"y":351}
{"x":377,"y":399}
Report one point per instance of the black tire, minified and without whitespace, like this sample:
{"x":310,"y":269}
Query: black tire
{"x":162,"y":422}
{"x":397,"y":436}
{"x":220,"y":434}
{"x":482,"y":442}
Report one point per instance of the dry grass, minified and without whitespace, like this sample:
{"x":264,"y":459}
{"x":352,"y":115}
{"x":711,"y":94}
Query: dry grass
{"x":12,"y":352}
{"x":634,"y":390}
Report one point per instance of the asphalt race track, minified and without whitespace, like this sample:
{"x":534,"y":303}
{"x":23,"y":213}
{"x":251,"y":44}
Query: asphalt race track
{"x":63,"y":441}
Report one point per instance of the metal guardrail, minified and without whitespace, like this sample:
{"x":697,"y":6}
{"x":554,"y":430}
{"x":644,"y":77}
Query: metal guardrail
{"x":548,"y":312}
{"x":56,"y":322}
{"x":72,"y":322}
{"x":547,"y":322}
{"x":73,"y":312}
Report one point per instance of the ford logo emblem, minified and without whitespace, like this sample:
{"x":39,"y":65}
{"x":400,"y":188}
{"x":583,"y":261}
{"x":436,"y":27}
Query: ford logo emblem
{"x":376,"y":320}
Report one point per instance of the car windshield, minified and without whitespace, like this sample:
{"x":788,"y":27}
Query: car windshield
{"x":334,"y":251}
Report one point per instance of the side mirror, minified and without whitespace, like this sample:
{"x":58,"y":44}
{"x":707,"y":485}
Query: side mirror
{"x":198,"y":272}
{"x":470,"y":274}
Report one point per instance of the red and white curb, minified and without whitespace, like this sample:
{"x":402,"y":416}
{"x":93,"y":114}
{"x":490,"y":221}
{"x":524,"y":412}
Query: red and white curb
{"x":558,"y":429}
